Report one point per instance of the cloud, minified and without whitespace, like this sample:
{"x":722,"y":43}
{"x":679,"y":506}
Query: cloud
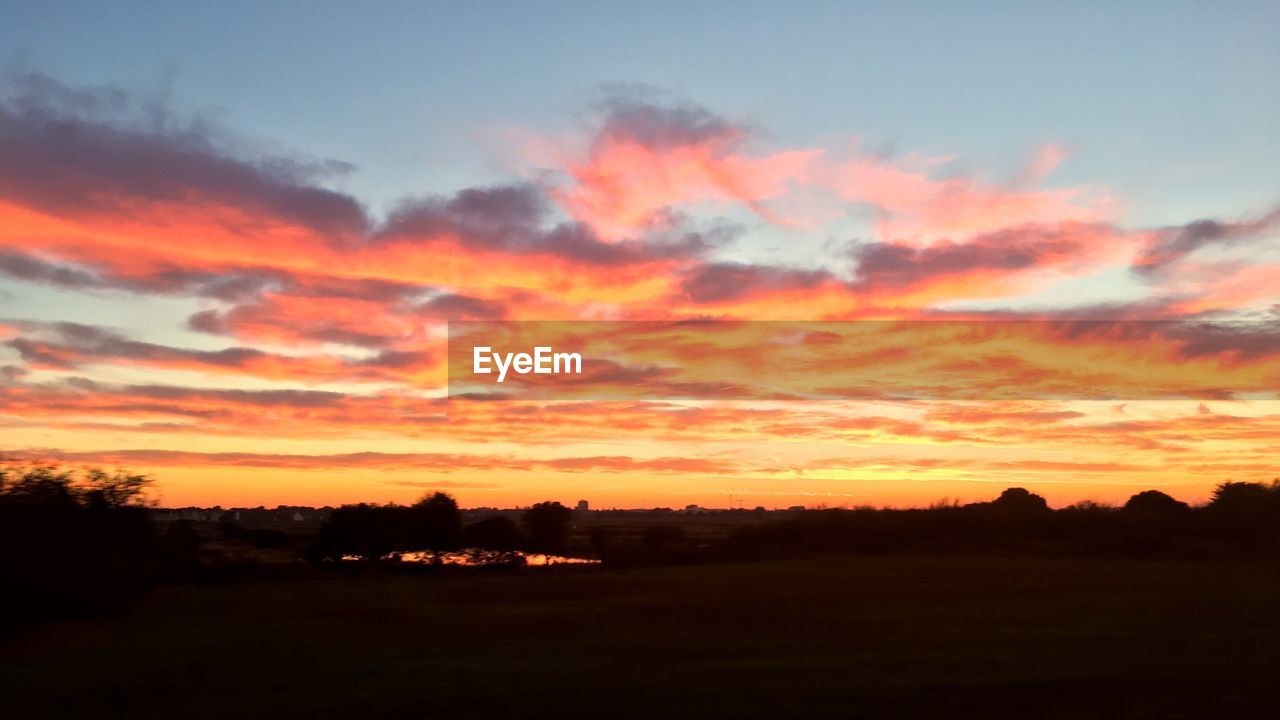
{"x":63,"y":346}
{"x":379,"y":460}
{"x":994,"y":263}
{"x":105,"y":196}
{"x":998,"y":413}
{"x":21,"y":266}
{"x":914,"y":204}
{"x":1173,"y":244}
{"x":660,"y":123}
{"x":1231,"y":343}
{"x":622,"y":463}
{"x":653,"y":214}
{"x":1046,"y":159}
{"x":453,"y":306}
{"x":517,"y":219}
{"x":86,"y":152}
{"x":718,"y":282}
{"x":647,"y":155}
{"x":81,"y":403}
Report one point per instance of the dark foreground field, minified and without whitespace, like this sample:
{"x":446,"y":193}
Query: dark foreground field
{"x":825,"y":637}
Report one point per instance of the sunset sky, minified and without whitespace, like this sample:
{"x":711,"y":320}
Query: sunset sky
{"x":232,"y":236}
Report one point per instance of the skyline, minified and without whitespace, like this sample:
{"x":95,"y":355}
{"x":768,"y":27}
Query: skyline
{"x":234,"y":270}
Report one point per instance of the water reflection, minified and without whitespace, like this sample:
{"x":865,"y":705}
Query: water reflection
{"x":474,"y":557}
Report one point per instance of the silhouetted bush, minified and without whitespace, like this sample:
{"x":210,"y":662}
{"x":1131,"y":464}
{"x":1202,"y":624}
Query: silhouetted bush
{"x":72,"y":543}
{"x":1246,"y":516}
{"x":1153,"y":503}
{"x":372,"y":532}
{"x":546,"y":527}
{"x":435,"y":524}
{"x":1245,"y":500}
{"x":496,"y":533}
{"x":1243,"y":520}
{"x":1021,"y":502}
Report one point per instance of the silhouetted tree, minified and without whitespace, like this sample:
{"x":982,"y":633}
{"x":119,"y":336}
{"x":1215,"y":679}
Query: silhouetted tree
{"x":366,"y":531}
{"x":1246,"y":515}
{"x":546,"y":527}
{"x":72,"y":542}
{"x":1150,"y":523}
{"x":1019,"y":501}
{"x":1243,"y":497}
{"x":495,"y":533}
{"x":1154,"y":502}
{"x":115,"y":489}
{"x":373,"y":532}
{"x":436,"y":524}
{"x":39,"y":487}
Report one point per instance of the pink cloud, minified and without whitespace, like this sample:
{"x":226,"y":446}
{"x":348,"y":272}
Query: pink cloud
{"x":913,"y":205}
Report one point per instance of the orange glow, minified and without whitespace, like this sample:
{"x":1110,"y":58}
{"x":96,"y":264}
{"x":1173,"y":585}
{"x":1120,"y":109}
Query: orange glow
{"x":299,"y":355}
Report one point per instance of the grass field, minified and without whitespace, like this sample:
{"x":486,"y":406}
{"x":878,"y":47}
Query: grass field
{"x":824,"y":637}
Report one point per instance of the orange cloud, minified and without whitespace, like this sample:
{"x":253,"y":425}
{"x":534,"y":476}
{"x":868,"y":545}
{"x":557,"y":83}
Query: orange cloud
{"x":326,"y":321}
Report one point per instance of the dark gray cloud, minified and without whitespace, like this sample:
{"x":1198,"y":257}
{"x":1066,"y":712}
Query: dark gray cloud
{"x":452,"y":306}
{"x":718,"y":282}
{"x":264,"y":398}
{"x":35,"y":353}
{"x":660,"y":122}
{"x":231,"y":285}
{"x":12,"y":373}
{"x":887,"y":265}
{"x":237,"y":319}
{"x":74,"y":151}
{"x":1229,"y":340}
{"x":1232,"y":341}
{"x":30,"y":268}
{"x":72,"y":344}
{"x":395,"y":359}
{"x":274,"y":309}
{"x":517,"y":219}
{"x":500,"y":216}
{"x":1173,"y":244}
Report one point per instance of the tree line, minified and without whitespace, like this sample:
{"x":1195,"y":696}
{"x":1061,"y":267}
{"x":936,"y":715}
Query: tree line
{"x":85,"y":541}
{"x":1242,"y":519}
{"x":434,"y":525}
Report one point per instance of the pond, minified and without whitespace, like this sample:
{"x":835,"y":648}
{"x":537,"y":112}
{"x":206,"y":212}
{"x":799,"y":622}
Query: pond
{"x":476,"y":557}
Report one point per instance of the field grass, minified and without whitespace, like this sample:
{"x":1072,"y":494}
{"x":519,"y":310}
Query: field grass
{"x":823,"y":637}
